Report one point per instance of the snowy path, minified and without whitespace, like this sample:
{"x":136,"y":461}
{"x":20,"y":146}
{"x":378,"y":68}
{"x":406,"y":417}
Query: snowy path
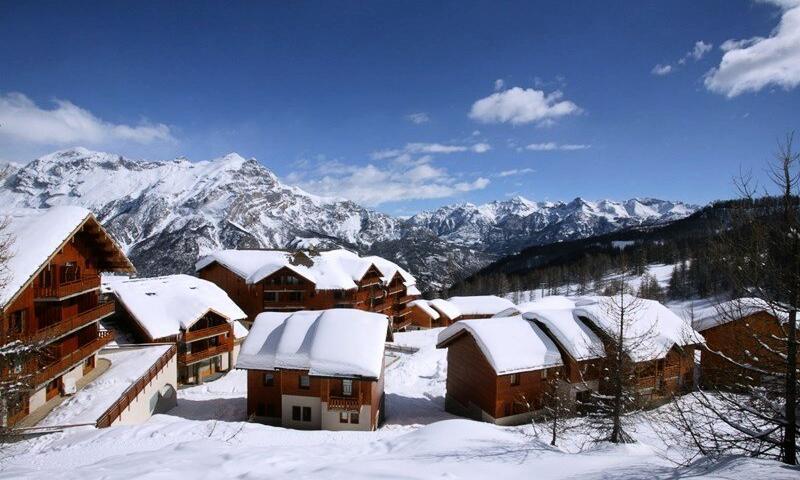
{"x":414,"y":443}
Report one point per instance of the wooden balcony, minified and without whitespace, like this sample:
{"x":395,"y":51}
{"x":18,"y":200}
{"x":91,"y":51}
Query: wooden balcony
{"x":193,"y":335}
{"x":67,"y":289}
{"x":406,"y":299}
{"x":129,"y":395}
{"x":346,"y":404}
{"x":63,"y":327}
{"x":193,"y":357}
{"x":396,"y":290}
{"x":55,"y":369}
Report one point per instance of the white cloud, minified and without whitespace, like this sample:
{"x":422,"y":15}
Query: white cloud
{"x":515,"y":171}
{"x":661,"y":69}
{"x":418,"y":118}
{"x":499,"y":84}
{"x":752,"y":64}
{"x":520,"y":106}
{"x":551,"y":146}
{"x":374,"y":185}
{"x":67,"y":124}
{"x":700,"y":49}
{"x":402,"y":154}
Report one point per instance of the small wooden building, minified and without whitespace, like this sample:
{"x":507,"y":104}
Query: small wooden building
{"x":432,"y":313}
{"x":51,"y":298}
{"x":282,"y":281}
{"x":498,"y":369}
{"x":316,"y":370}
{"x":743,"y":338}
{"x":193,"y":313}
{"x":661,"y":343}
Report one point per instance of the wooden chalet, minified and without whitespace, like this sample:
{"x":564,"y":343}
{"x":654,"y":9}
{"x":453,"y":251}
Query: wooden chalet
{"x":479,"y":306}
{"x":316,"y":370}
{"x":51,"y":299}
{"x":743,"y":338}
{"x":282,"y":281}
{"x":662,"y":344}
{"x":499,"y":369}
{"x":193,"y":313}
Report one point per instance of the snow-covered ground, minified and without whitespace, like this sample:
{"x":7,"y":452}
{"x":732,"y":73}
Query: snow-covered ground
{"x":419,"y":440}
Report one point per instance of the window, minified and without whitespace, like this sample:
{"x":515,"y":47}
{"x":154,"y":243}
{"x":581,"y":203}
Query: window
{"x":306,"y":414}
{"x":296,"y":413}
{"x":270,"y":297}
{"x":290,"y":280}
{"x":338,"y":295}
{"x":295,"y":296}
{"x":343,"y":417}
{"x":305,"y":382}
{"x":16,"y":321}
{"x":354,"y":417}
{"x":347,"y":387}
{"x":269,"y":379}
{"x":514,"y":379}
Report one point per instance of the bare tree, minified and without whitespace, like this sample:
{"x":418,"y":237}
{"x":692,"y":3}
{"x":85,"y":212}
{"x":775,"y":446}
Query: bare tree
{"x":754,"y":409}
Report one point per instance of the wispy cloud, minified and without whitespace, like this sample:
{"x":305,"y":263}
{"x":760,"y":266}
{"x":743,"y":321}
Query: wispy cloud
{"x":67,"y":124}
{"x":429,"y":148}
{"x":661,"y":69}
{"x":514,"y":172}
{"x":418,"y":118}
{"x":551,"y":146}
{"x":752,"y":64}
{"x":499,"y":84}
{"x":697,"y":52}
{"x":519,"y":106}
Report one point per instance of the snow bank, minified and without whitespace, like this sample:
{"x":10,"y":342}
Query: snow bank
{"x":334,"y":343}
{"x":510,"y":344}
{"x":650,"y":325}
{"x":481,"y":304}
{"x":128,"y":364}
{"x":330,"y":270}
{"x":164,"y":306}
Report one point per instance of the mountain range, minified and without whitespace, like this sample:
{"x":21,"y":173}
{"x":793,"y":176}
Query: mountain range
{"x":166,"y":213}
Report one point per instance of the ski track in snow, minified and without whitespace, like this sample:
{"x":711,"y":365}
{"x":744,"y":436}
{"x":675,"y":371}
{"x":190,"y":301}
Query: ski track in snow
{"x":419,"y":440}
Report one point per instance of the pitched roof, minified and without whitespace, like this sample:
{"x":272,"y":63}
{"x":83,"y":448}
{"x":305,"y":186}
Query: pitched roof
{"x":329,"y":270}
{"x":729,"y":311}
{"x":36,"y":235}
{"x":424,"y":305}
{"x":556,"y":313}
{"x":510,"y":344}
{"x":445,"y":308}
{"x":334,"y":343}
{"x":651,"y":326}
{"x":163,"y":306}
{"x":481,"y":304}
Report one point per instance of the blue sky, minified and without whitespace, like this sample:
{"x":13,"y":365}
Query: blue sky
{"x":409,"y":105}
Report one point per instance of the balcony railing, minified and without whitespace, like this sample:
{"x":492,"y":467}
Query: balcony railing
{"x":54,"y":369}
{"x":193,"y":335}
{"x":189,"y":358}
{"x":394,"y":290}
{"x":347,"y":404}
{"x":405,"y":299}
{"x":67,"y":289}
{"x":128,"y":396}
{"x":58,"y":329}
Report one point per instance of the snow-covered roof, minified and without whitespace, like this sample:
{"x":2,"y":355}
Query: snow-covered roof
{"x":35,"y":236}
{"x":330,"y":270}
{"x":412,"y":290}
{"x":650,"y":325}
{"x":481,"y":304}
{"x":239,"y":330}
{"x":732,"y":310}
{"x":446,"y":308}
{"x":556,"y":313}
{"x":424,"y":305}
{"x":339,"y":342}
{"x":163,"y":306}
{"x":510,"y":344}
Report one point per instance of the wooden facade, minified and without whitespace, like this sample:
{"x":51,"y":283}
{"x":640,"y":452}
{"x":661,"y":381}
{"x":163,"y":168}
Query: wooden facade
{"x":59,"y":309}
{"x":752,"y":340}
{"x":203,"y":350}
{"x":331,"y":403}
{"x":476,"y":391}
{"x":288,"y":291}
